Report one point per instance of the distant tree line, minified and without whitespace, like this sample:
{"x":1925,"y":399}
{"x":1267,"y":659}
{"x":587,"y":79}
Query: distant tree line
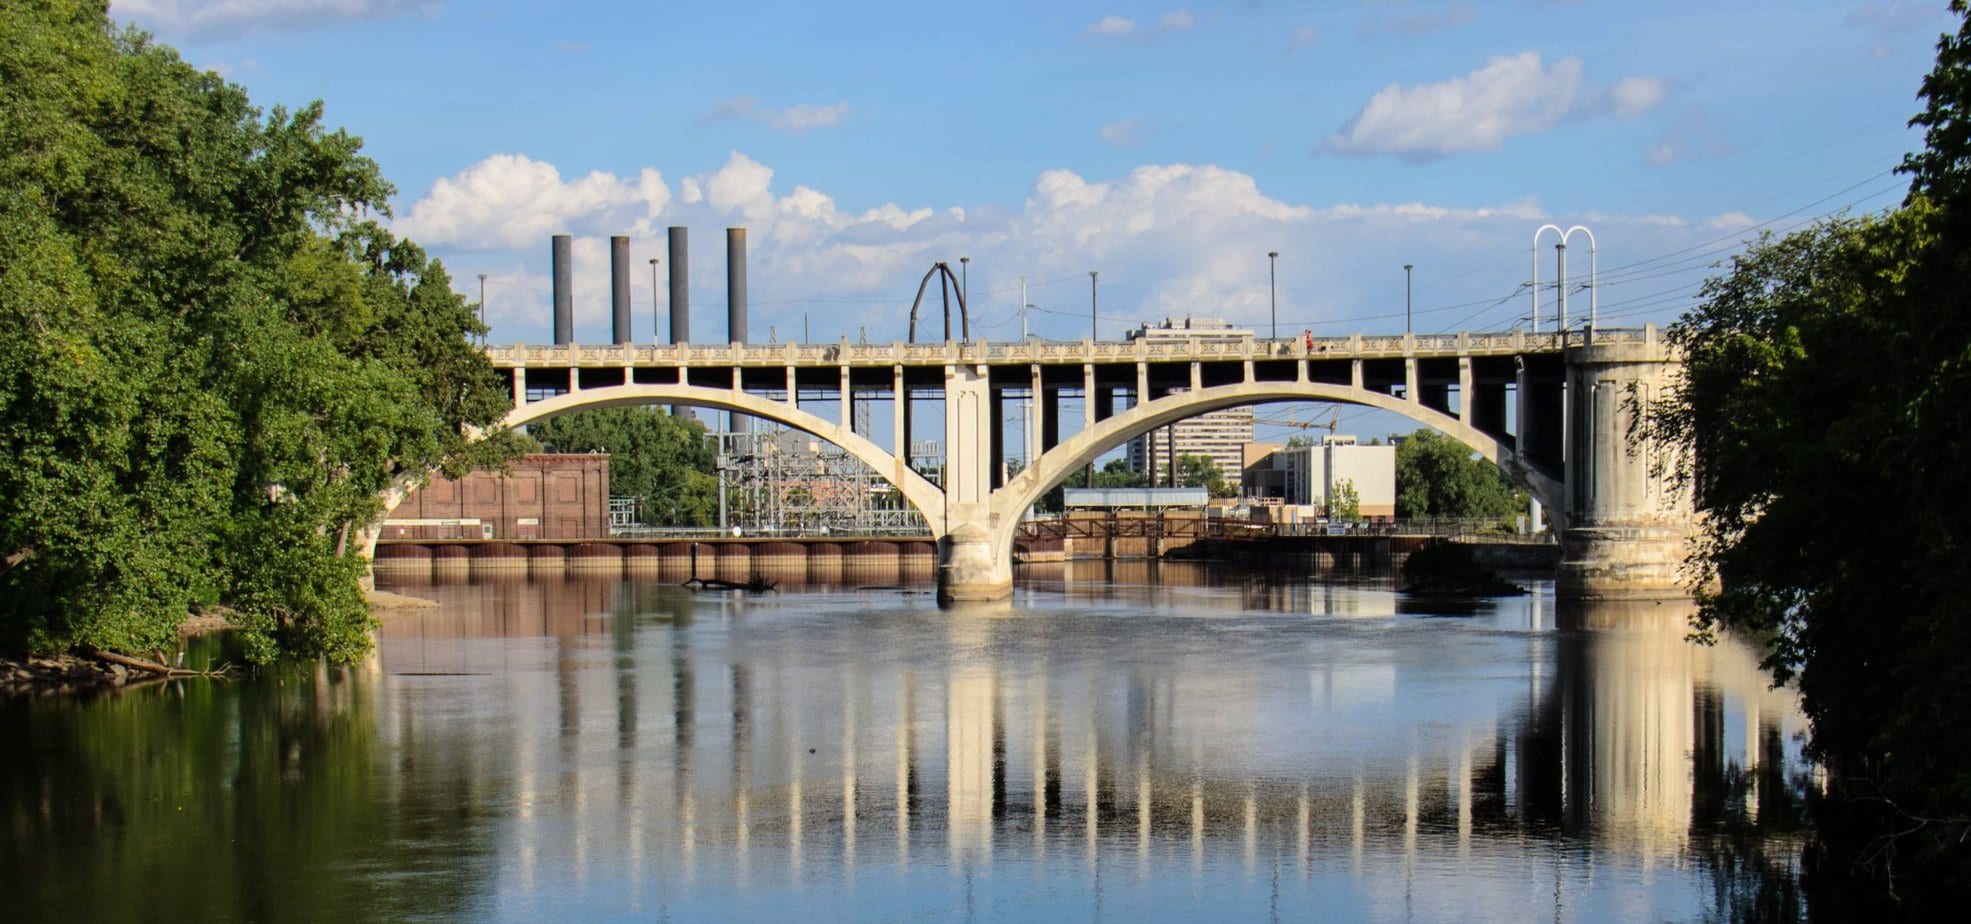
{"x":667,"y":463}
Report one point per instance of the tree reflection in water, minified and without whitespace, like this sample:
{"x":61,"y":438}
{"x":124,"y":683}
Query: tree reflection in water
{"x":290,"y":796}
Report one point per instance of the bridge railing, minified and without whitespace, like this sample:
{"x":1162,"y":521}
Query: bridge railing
{"x":1037,"y":351}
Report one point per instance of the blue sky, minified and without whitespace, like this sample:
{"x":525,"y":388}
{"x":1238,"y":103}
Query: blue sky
{"x":1168,"y":145}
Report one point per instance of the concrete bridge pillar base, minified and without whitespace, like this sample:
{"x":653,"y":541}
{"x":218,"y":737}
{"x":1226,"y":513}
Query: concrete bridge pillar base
{"x":1641,"y":562}
{"x":972,"y":567}
{"x":1628,"y":530}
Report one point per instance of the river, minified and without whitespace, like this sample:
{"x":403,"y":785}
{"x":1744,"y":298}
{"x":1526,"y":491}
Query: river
{"x":1126,"y":743}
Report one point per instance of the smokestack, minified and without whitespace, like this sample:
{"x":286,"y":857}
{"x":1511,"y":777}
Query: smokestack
{"x":619,"y":288}
{"x":735,"y":284}
{"x":564,"y":297}
{"x":735,"y":306}
{"x":680,"y":286}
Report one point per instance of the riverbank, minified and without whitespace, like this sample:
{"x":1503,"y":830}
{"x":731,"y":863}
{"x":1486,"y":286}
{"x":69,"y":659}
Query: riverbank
{"x":70,"y":673}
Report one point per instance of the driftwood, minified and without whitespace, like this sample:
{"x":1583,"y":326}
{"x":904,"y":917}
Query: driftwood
{"x":154,"y":667}
{"x":757,"y":585}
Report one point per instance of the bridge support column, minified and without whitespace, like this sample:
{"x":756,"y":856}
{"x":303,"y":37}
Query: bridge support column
{"x":971,"y":565}
{"x":1627,"y":532}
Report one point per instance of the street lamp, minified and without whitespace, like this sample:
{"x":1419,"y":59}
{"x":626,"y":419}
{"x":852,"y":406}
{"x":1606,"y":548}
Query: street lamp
{"x":656,"y":319}
{"x":482,"y":310}
{"x":1093,"y":328}
{"x":965,"y":281}
{"x":1406,"y":296}
{"x":1273,"y":289}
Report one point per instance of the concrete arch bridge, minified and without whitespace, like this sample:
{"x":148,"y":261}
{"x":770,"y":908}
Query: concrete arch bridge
{"x":1550,"y":411}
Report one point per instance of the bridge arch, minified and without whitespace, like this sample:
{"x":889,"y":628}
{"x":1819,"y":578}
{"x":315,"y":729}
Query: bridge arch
{"x":1083,"y":448}
{"x":916,"y":490}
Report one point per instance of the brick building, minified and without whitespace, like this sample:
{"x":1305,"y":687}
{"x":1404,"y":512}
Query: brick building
{"x":546,"y":496}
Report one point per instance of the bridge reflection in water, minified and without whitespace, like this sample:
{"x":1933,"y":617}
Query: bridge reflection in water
{"x":1128,"y":745}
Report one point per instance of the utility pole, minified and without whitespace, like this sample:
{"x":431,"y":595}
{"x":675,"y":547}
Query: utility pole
{"x":1094,"y":323}
{"x":1273,"y":288}
{"x":1560,"y":269}
{"x":1026,"y":428}
{"x":656,"y":316}
{"x":1094,"y":329}
{"x":483,"y":334}
{"x":1406,"y":296}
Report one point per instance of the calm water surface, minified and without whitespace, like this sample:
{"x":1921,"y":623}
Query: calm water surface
{"x":1182,"y":745}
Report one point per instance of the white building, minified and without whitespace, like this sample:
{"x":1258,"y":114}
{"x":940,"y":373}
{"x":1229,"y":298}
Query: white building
{"x":1309,"y":474}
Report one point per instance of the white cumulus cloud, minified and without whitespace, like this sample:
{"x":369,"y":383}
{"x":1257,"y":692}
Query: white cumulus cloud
{"x":513,"y":201}
{"x":1170,"y":240}
{"x":208,"y":19}
{"x":1508,"y":96}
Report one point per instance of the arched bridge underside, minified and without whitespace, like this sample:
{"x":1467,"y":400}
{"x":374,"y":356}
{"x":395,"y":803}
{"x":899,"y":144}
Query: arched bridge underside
{"x":1053,"y":466}
{"x":1564,"y":438}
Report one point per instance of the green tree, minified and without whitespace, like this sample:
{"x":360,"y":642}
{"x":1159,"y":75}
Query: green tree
{"x":1202,"y":472}
{"x":1826,"y":421}
{"x":1116,"y":474}
{"x":1437,"y":476}
{"x":212,"y":360}
{"x":1344,"y":502}
{"x":667,"y":463}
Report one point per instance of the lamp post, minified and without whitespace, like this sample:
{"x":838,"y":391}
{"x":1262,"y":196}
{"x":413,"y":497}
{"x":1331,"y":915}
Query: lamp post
{"x":965,"y":280}
{"x":656,"y":319}
{"x":1406,"y":296}
{"x":1093,"y":321}
{"x":1560,"y":269}
{"x":1273,"y":289}
{"x":1088,"y":472}
{"x":483,"y":333}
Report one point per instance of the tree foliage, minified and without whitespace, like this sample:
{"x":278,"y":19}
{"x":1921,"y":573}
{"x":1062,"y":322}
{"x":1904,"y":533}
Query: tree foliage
{"x":212,"y":358}
{"x":1827,"y":420}
{"x":1437,"y":476}
{"x":1116,"y":474}
{"x":667,"y":463}
{"x":1202,"y":472}
{"x":1344,"y":503}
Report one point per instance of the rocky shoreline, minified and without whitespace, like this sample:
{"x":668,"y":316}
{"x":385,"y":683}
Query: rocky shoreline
{"x":58,"y":676}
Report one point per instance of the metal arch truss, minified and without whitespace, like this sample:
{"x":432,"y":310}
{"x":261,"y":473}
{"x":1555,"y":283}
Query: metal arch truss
{"x":947,"y":284}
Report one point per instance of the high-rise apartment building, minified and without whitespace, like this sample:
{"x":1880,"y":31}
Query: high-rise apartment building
{"x":1219,"y":435}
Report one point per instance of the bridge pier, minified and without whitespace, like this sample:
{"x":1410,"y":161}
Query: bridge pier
{"x":972,"y":567}
{"x":1628,"y":531}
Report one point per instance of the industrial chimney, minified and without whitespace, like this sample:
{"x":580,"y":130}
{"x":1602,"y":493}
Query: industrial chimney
{"x":564,"y":297}
{"x":619,"y":289}
{"x":680,"y":285}
{"x":735,"y":284}
{"x":735,"y":304}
